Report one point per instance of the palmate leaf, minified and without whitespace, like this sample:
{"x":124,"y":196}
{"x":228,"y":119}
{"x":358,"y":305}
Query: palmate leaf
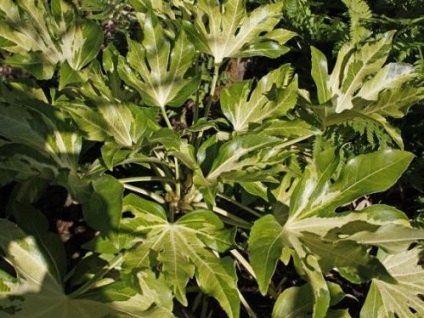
{"x":157,"y":67}
{"x":400,"y":299}
{"x":361,"y":87}
{"x":359,"y":75}
{"x":242,"y":152}
{"x":42,"y":128}
{"x":182,"y":249}
{"x":317,"y":195}
{"x":274,"y":95}
{"x":315,"y":233}
{"x":365,"y":62}
{"x":231,"y":32}
{"x":42,"y":35}
{"x":112,"y":117}
{"x":19,"y":163}
{"x":36,"y":293}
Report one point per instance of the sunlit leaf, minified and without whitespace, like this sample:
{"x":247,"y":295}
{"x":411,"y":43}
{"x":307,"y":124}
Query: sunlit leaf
{"x":181,"y":249}
{"x":36,"y":293}
{"x":400,"y":299}
{"x":43,"y":128}
{"x":231,"y":32}
{"x":274,"y":95}
{"x":157,"y":66}
{"x":42,"y":35}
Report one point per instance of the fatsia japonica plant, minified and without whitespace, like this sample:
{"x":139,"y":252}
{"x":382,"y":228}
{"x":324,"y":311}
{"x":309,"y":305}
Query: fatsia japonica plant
{"x":203,"y":189}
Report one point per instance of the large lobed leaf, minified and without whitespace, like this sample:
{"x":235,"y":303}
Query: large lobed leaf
{"x":321,"y":239}
{"x":104,"y":111}
{"x":402,"y":298}
{"x":231,"y":32}
{"x":42,"y":35}
{"x":242,"y":152}
{"x":41,"y":127}
{"x":183,"y":249}
{"x":36,"y":293}
{"x":157,"y":67}
{"x":360,"y":85}
{"x":274,"y":95}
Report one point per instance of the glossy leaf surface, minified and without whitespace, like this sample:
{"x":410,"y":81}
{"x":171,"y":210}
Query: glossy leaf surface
{"x":274,"y":95}
{"x":231,"y":32}
{"x":48,"y":35}
{"x":400,"y":298}
{"x":37,"y":293}
{"x":313,"y":229}
{"x":157,"y":67}
{"x":182,"y":249}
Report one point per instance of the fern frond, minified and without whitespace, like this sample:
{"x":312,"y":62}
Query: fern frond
{"x":358,"y":11}
{"x":359,"y":135}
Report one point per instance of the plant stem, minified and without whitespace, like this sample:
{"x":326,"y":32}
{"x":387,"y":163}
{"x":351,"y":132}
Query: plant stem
{"x":196,"y":103}
{"x":243,"y":262}
{"x":145,"y":179}
{"x":93,"y":281}
{"x":246,"y":306}
{"x":150,"y":194}
{"x":177,"y":177}
{"x":209,"y":103}
{"x":235,"y":219}
{"x":165,"y":117}
{"x":241,"y":206}
{"x":212,"y":91}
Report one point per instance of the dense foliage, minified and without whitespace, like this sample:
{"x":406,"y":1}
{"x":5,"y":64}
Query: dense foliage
{"x":210,"y":158}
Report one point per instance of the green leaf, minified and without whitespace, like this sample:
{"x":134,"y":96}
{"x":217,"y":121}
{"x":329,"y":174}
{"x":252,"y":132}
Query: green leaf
{"x":393,"y":75}
{"x":35,"y":223}
{"x":360,"y":87}
{"x":395,"y":102}
{"x":350,"y":258}
{"x":181,"y":250}
{"x":43,"y":36}
{"x":274,"y":95}
{"x":21,"y":162}
{"x":157,"y":67}
{"x":294,"y":302}
{"x":127,"y":302}
{"x":103,"y":209}
{"x":400,"y":299}
{"x":43,"y":128}
{"x":68,"y":75}
{"x":118,"y":120}
{"x":392,"y":238}
{"x":155,"y":288}
{"x":91,"y":123}
{"x":298,"y":302}
{"x":319,"y":237}
{"x":357,"y":178}
{"x":310,"y":266}
{"x":365,"y":62}
{"x":231,"y":32}
{"x":240,"y":153}
{"x":288,"y":128}
{"x":266,"y":242}
{"x":37,"y":293}
{"x":320,"y":75}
